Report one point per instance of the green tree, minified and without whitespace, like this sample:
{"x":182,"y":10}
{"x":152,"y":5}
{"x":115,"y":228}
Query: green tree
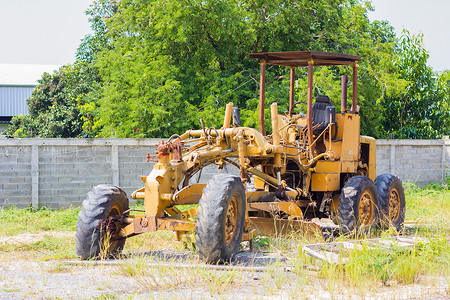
{"x":420,"y":109}
{"x":53,"y":108}
{"x":172,"y":62}
{"x":153,"y":68}
{"x":64,"y":104}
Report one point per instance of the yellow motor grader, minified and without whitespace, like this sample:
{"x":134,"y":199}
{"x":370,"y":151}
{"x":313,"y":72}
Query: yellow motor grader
{"x":313,"y":165}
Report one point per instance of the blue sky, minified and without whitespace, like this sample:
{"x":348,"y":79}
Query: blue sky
{"x":49,"y":31}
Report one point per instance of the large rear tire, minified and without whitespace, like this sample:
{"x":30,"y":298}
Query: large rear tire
{"x":391,"y":196}
{"x":358,"y":205}
{"x":96,"y":230}
{"x":220,"y":219}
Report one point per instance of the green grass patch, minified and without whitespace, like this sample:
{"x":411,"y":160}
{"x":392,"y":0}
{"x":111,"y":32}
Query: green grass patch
{"x":429,"y":207}
{"x":46,"y":248}
{"x":15,"y":221}
{"x":369,"y":269}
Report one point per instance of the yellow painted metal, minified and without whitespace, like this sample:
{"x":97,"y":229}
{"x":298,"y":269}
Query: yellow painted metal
{"x":394,"y":205}
{"x":188,"y":214}
{"x":190,"y":194}
{"x":325,"y":182}
{"x":175,"y":225}
{"x":349,"y":166}
{"x":263,"y":176}
{"x":274,"y":207}
{"x":155,"y":185}
{"x":258,"y":183}
{"x":372,"y":155}
{"x":138,"y":194}
{"x":275,"y":134}
{"x":326,"y":166}
{"x":231,"y":220}
{"x":350,"y":140}
{"x":280,"y":227}
{"x":227,"y":119}
{"x":248,"y":236}
{"x":172,"y":211}
{"x":127,"y":231}
{"x":148,"y":224}
{"x":260,"y":196}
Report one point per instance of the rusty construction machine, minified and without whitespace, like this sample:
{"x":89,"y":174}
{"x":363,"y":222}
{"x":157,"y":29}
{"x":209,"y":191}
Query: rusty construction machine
{"x":312,"y":166}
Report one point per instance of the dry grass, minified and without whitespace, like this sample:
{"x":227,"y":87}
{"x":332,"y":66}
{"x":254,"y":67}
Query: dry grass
{"x":369,"y":272}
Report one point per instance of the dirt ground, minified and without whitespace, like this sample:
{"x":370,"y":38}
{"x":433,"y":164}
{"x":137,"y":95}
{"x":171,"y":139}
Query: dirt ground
{"x":180,"y":274}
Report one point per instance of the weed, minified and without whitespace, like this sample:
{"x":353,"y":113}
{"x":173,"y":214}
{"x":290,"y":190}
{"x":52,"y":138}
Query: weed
{"x":106,"y":296}
{"x":59,"y":268}
{"x":11,"y":290}
{"x":134,"y":267}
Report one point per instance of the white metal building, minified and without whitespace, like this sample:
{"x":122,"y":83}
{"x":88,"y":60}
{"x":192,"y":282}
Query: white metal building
{"x":17,"y":82}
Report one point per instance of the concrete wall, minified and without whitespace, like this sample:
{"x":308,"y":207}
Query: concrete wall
{"x":58,"y":173}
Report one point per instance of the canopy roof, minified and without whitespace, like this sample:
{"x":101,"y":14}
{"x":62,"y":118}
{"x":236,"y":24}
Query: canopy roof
{"x":301,"y":58}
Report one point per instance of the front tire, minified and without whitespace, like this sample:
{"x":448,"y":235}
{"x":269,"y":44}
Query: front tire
{"x":95,"y":227}
{"x":391,"y":196}
{"x":220,"y":218}
{"x":358,"y":205}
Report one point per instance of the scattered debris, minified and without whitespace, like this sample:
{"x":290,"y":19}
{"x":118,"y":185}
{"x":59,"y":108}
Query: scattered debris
{"x":337,"y":252}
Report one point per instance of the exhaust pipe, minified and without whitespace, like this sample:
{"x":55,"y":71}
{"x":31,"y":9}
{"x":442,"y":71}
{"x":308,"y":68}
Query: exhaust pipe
{"x":344,"y":82}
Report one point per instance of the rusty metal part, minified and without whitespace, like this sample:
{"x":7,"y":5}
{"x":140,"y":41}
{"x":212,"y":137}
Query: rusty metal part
{"x":163,"y":147}
{"x":291,"y":90}
{"x":355,"y":89}
{"x":150,"y":224}
{"x":176,"y":149}
{"x":262,"y":96}
{"x":344,"y":82}
{"x":152,"y":158}
{"x":309,"y":104}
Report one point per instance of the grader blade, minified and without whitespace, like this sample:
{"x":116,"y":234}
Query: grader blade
{"x":281,"y":227}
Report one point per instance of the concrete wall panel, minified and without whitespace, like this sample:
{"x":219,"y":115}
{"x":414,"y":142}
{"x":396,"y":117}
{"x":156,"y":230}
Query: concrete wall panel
{"x":57,"y":173}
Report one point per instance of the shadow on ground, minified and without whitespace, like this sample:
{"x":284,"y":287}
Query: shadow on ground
{"x":243,"y":259}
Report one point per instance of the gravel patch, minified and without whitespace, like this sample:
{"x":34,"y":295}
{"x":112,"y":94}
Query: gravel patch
{"x":255,"y":276}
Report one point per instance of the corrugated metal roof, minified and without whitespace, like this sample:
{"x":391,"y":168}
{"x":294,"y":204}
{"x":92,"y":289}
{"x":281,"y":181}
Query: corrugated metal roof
{"x":13,"y":100}
{"x":28,"y":75}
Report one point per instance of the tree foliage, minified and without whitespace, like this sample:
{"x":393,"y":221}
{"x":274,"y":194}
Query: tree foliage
{"x":53,"y":110}
{"x":153,"y":68}
{"x":420,"y":110}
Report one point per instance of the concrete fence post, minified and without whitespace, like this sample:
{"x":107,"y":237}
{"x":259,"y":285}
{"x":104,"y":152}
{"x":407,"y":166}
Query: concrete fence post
{"x":392,"y":166}
{"x":115,"y":165}
{"x":445,"y":149}
{"x":34,"y":176}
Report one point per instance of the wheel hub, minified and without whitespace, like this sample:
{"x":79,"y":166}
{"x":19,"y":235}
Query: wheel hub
{"x":394,"y":205}
{"x":366,"y":209}
{"x":231,"y":221}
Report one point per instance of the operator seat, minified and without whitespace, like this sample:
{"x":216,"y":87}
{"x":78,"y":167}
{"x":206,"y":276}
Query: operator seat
{"x":321,"y":111}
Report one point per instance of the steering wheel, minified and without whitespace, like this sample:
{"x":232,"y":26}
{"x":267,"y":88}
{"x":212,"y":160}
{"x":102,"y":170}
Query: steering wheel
{"x":298,"y":102}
